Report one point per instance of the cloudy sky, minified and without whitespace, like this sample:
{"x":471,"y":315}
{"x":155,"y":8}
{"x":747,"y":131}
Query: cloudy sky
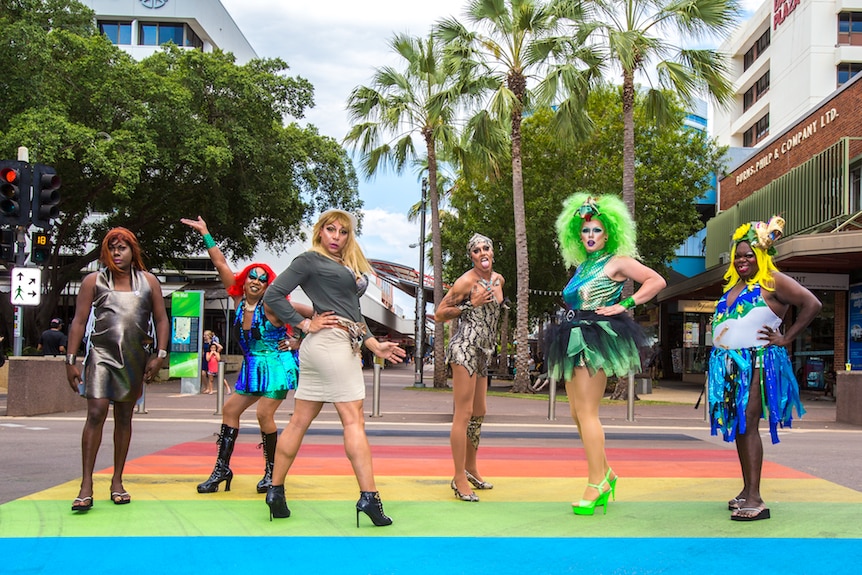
{"x":336,"y":45}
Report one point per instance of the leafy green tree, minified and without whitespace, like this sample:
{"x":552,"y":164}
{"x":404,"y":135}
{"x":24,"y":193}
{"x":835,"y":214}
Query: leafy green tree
{"x":420,"y":99}
{"x":675,"y":168}
{"x":142,"y":144}
{"x":639,"y":34}
{"x":518,"y":42}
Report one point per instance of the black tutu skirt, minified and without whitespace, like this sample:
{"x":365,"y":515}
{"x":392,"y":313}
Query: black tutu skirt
{"x":587,"y":339}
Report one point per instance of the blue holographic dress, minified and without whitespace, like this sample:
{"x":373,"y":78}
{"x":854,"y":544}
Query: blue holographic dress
{"x":265,"y":371}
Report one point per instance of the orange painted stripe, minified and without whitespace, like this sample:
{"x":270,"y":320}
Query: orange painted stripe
{"x":403,"y":461}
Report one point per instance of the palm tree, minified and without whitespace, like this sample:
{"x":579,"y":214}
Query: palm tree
{"x":520,"y":42}
{"x":640,"y":33}
{"x":421,"y":99}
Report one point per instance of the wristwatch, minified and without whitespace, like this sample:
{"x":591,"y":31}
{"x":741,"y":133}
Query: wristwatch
{"x":70,"y":359}
{"x":162,"y":354}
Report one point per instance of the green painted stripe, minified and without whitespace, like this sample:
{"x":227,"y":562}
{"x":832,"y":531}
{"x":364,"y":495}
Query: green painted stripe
{"x":697,"y":519}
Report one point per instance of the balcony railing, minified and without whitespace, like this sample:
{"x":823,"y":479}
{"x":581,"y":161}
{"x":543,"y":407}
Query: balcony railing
{"x":811,"y":197}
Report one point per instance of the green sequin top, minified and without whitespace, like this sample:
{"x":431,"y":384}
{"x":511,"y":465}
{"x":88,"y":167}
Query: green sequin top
{"x":590,"y":288}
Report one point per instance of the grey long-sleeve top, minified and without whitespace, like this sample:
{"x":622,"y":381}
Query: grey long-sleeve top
{"x":329,"y":285}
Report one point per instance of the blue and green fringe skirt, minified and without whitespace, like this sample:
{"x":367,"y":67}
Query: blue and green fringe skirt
{"x":729,"y":376}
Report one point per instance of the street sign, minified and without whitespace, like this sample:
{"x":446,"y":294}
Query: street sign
{"x":26,"y":286}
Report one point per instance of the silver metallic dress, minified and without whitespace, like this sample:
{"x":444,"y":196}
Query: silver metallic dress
{"x":120,"y":341}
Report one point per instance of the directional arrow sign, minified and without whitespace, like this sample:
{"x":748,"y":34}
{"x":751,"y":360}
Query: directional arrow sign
{"x":26,"y":286}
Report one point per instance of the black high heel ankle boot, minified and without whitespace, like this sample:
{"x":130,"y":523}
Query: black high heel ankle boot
{"x":277,"y":502}
{"x":370,"y":504}
{"x":268,"y":444}
{"x":221,"y":471}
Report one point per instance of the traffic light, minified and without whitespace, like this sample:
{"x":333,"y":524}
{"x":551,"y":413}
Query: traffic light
{"x":46,"y":182}
{"x":14,"y":193}
{"x":7,"y":245}
{"x":40,"y":248}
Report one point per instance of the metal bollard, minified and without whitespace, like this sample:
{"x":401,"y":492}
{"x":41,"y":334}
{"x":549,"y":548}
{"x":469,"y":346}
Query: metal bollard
{"x":630,"y":404}
{"x":141,"y":407}
{"x":375,"y":394}
{"x":552,"y":399}
{"x":220,"y":392}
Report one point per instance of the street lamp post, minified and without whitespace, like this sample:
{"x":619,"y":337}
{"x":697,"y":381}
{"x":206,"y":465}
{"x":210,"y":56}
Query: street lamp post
{"x":420,"y":293}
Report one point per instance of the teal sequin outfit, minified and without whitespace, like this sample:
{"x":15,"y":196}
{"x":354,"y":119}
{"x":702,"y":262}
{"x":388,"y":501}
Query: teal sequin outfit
{"x":734,"y":361}
{"x":587,"y":339}
{"x":266,"y":371}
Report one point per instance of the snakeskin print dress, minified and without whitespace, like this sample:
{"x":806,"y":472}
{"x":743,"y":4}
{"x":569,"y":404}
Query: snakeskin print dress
{"x":474,"y":342}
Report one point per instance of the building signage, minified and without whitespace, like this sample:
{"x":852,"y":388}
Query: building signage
{"x":790,"y":141}
{"x":695,"y":306}
{"x":832,"y":282}
{"x":154,"y":3}
{"x":781,"y":9}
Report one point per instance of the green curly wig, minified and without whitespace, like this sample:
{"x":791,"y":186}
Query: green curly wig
{"x":611,"y":211}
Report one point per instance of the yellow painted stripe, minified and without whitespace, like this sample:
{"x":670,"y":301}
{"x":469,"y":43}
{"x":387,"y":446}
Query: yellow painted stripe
{"x":506,"y":489}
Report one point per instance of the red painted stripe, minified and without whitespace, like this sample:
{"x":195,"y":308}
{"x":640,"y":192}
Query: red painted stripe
{"x":193,"y":459}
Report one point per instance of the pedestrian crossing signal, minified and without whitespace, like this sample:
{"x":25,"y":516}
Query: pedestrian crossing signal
{"x":40,"y":248}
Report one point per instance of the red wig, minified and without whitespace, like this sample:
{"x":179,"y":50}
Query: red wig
{"x":236,"y":290}
{"x":127,"y":237}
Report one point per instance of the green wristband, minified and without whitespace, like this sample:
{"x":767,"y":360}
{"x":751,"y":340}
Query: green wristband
{"x":628,"y":303}
{"x":209,"y":242}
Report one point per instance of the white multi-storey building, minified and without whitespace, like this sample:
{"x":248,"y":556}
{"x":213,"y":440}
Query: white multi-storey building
{"x":789,"y":56}
{"x":140,"y":26}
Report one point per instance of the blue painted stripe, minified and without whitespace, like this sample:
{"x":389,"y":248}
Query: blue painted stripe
{"x":425,"y":556}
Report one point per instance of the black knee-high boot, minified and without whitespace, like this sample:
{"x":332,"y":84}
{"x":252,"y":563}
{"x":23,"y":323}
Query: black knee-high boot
{"x":221,"y":471}
{"x":268,"y":443}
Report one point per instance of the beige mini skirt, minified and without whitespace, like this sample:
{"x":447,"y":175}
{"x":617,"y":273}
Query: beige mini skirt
{"x":329,"y":371}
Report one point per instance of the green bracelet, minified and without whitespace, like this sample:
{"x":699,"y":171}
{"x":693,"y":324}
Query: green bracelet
{"x":628,"y":303}
{"x":209,"y":242}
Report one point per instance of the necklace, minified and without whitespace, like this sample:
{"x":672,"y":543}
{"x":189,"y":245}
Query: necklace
{"x":248,"y":306}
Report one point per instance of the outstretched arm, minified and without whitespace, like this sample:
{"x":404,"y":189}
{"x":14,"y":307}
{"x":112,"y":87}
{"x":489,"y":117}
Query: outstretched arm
{"x":225,"y":273}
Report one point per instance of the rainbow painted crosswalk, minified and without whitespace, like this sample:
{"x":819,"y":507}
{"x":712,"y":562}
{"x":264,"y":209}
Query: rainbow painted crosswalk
{"x":670,"y":516}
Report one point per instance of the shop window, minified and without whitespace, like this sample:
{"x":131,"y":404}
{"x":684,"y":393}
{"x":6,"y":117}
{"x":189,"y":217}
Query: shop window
{"x":119,"y":33}
{"x":850,"y":28}
{"x":847,"y":70}
{"x":814,"y":349}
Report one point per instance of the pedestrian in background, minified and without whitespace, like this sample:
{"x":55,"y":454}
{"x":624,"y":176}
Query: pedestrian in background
{"x":53,"y":341}
{"x":125,"y":301}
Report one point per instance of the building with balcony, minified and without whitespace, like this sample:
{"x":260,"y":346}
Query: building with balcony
{"x":810,"y":173}
{"x":140,"y":27}
{"x":788,"y":57}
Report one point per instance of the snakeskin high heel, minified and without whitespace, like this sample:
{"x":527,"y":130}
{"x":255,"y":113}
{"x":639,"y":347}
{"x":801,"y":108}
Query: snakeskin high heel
{"x":478,"y":484}
{"x":463,"y":496}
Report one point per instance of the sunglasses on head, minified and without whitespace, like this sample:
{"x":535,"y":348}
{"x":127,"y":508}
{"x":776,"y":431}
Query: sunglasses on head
{"x":262,"y":278}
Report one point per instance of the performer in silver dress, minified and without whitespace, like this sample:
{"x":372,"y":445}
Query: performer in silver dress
{"x":476,"y":299}
{"x":125,"y":299}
